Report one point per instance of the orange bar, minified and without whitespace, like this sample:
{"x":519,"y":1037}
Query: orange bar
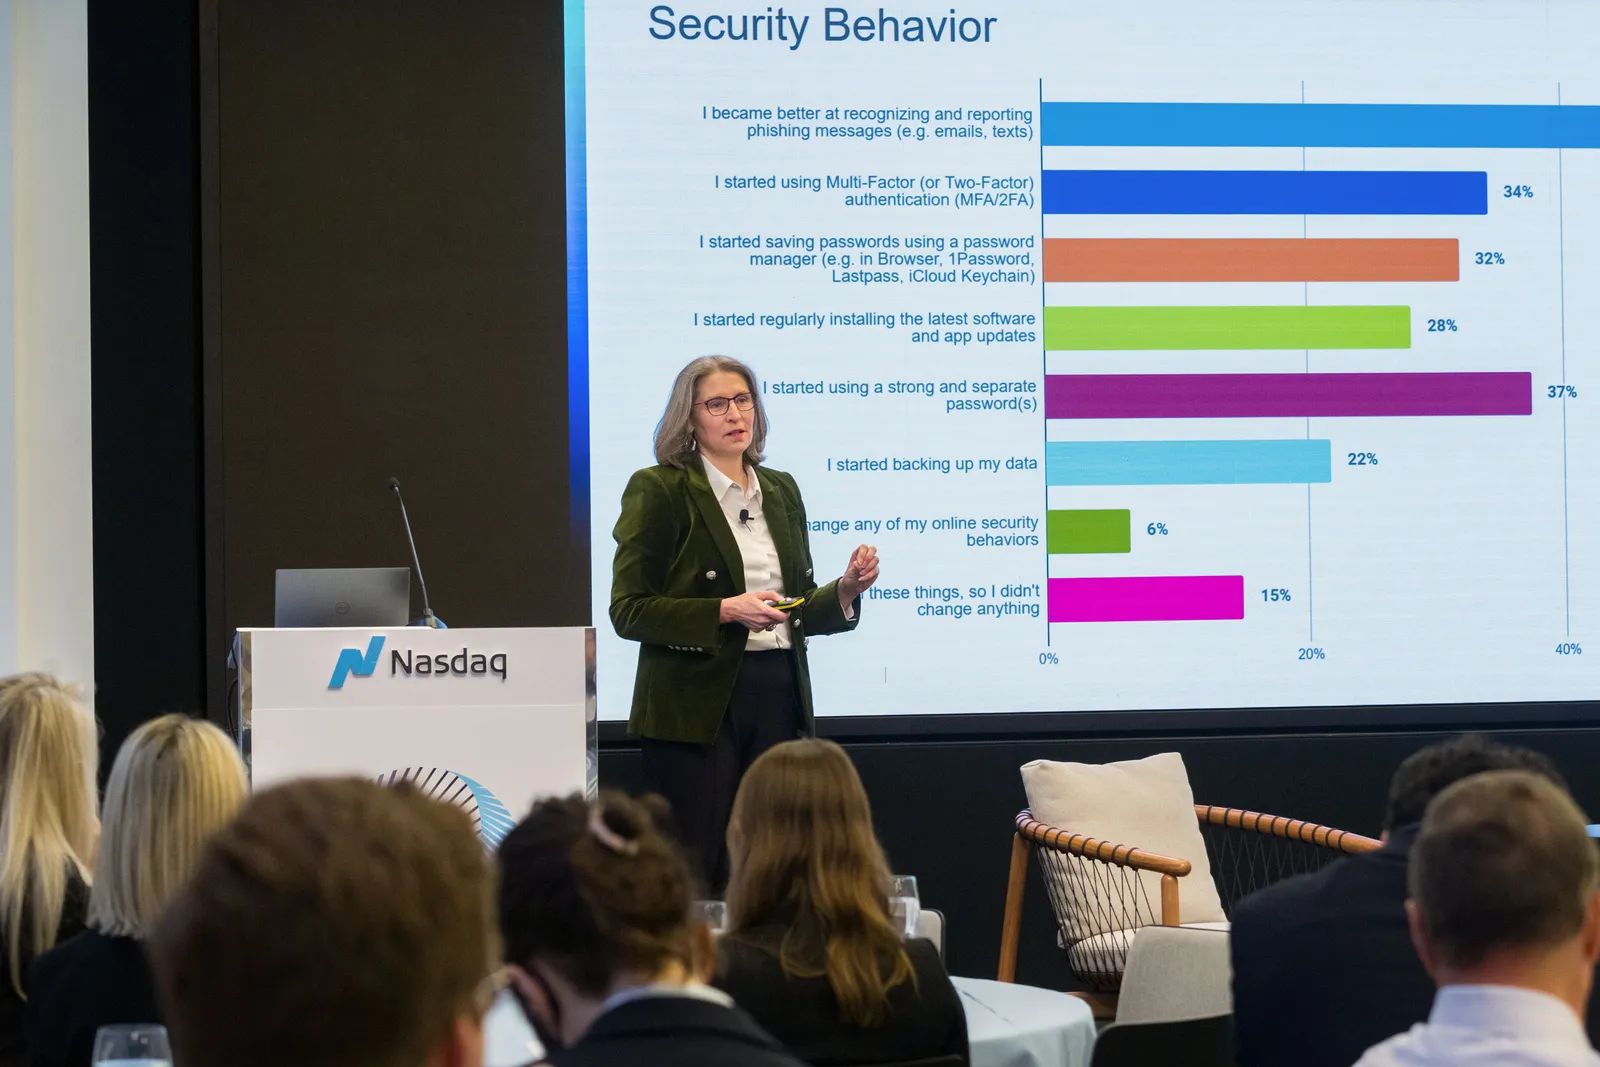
{"x":1292,"y":259}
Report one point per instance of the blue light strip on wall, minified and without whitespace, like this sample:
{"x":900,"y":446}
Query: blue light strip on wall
{"x":577,"y":275}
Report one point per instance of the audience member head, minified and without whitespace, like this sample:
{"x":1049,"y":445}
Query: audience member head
{"x":594,"y":899}
{"x":1426,"y":773}
{"x":803,"y":855}
{"x":333,"y":922}
{"x":48,"y":761}
{"x":1503,"y":880}
{"x":175,"y":782}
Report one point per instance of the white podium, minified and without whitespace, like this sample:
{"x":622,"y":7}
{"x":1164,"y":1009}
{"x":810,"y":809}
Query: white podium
{"x":490,"y":720}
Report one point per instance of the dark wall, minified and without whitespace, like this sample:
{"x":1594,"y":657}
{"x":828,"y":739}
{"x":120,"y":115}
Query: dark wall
{"x":144,"y":252}
{"x":391,"y":300}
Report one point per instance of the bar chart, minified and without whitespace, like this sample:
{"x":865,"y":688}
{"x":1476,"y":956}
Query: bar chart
{"x":1238,"y":356}
{"x":1173,"y":240}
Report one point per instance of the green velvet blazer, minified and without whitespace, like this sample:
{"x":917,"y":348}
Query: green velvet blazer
{"x":676,"y":561}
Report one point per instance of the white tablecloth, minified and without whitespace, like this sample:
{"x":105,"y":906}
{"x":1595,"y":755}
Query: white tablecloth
{"x":1024,"y":1026}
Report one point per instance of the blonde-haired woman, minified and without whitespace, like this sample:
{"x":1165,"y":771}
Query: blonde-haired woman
{"x":811,"y":952}
{"x":48,"y":758}
{"x":175,"y":782}
{"x":709,"y":542}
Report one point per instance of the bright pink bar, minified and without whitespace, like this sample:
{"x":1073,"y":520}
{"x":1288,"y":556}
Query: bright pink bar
{"x":1181,"y":598}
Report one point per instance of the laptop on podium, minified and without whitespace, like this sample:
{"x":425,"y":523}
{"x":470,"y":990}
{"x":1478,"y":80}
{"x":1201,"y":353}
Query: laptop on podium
{"x":343,"y":596}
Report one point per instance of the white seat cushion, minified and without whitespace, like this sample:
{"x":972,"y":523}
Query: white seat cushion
{"x":1146,"y":804}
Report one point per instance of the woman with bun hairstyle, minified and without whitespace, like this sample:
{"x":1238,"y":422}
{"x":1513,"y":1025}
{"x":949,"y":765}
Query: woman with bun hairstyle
{"x":601,"y":949}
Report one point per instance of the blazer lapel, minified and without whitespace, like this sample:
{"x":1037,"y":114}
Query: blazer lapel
{"x":777,"y":515}
{"x":716,"y":522}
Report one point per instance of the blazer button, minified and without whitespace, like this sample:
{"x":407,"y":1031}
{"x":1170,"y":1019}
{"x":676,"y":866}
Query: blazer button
{"x":710,"y":575}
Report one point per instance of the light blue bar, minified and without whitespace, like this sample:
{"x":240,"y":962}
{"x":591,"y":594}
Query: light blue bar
{"x":1279,"y":462}
{"x":1322,"y":125}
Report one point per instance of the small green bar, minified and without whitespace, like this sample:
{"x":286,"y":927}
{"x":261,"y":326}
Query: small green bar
{"x":1083,"y":329}
{"x":1083,"y":532}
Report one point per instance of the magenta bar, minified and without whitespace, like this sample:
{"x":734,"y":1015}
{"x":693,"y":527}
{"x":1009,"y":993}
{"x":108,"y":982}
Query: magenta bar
{"x":1270,"y":396}
{"x":1184,"y":598}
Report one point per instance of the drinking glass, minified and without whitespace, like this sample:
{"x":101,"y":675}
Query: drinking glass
{"x":904,"y":904}
{"x":139,"y":1045}
{"x":714,"y":913}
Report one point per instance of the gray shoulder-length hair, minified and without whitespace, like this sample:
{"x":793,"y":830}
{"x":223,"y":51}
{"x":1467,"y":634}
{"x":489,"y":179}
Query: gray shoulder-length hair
{"x":675,"y":444}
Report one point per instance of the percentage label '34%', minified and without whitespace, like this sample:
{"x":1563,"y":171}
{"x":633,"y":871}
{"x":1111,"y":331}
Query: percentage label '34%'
{"x":1519,"y":192}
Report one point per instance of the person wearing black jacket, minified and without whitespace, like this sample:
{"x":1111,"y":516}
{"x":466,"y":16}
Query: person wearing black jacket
{"x":1323,"y":965}
{"x":600,"y":947}
{"x":176,"y":781}
{"x":923,"y":1018}
{"x":812,"y":951}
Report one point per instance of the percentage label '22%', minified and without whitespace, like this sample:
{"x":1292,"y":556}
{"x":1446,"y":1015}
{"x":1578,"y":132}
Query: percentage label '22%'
{"x":1361,"y":459}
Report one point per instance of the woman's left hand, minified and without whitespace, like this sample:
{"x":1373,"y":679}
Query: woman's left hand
{"x":859,"y":575}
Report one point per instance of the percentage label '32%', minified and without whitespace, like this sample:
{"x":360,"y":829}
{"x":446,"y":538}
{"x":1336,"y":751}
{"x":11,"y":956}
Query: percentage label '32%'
{"x":1489,"y":259}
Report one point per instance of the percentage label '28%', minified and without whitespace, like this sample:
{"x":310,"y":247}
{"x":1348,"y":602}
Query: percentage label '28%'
{"x":1442,"y":326}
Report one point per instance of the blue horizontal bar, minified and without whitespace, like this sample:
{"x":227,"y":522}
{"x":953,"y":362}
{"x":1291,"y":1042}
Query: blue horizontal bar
{"x":1322,"y":125}
{"x":1265,"y":192}
{"x":1278,"y":462}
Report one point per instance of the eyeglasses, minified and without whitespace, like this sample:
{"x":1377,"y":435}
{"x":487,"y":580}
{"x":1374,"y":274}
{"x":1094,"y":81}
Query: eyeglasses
{"x":718,"y":405}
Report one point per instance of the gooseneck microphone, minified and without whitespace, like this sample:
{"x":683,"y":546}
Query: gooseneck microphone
{"x":428,"y":617}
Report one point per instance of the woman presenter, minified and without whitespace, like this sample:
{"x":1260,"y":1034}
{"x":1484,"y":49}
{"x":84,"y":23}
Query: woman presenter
{"x":712,"y":550}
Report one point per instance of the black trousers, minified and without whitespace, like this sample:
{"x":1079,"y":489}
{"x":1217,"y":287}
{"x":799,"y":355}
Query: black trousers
{"x":699,"y":781}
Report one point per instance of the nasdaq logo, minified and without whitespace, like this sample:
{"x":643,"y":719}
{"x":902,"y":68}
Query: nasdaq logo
{"x":351,"y":661}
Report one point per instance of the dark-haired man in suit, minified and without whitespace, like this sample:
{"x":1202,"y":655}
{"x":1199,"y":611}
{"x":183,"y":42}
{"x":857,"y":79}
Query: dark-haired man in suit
{"x":1323,"y":965}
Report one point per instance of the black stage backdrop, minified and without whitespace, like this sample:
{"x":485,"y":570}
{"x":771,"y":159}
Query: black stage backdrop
{"x":328,"y":247}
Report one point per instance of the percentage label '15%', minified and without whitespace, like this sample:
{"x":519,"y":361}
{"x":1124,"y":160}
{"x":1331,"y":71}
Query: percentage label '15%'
{"x":1273,"y":596}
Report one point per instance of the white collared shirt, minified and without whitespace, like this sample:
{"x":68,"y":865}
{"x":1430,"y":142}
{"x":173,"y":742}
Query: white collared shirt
{"x":762,"y":568}
{"x":1484,"y":1025}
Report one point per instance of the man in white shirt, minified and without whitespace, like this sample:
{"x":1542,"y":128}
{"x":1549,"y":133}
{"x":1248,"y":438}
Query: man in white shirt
{"x":1505,"y":915}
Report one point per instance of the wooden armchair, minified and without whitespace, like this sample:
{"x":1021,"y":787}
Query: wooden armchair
{"x":1099,"y":890}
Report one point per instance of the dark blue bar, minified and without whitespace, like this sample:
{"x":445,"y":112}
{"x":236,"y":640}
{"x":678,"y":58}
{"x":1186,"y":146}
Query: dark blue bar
{"x":1322,"y":125}
{"x":1265,"y":192}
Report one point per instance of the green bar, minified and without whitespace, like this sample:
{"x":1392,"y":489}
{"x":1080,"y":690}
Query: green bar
{"x":1084,"y":532}
{"x":1083,"y":329}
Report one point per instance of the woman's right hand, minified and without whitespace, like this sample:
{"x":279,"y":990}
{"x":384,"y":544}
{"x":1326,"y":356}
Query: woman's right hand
{"x":753,"y":610}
